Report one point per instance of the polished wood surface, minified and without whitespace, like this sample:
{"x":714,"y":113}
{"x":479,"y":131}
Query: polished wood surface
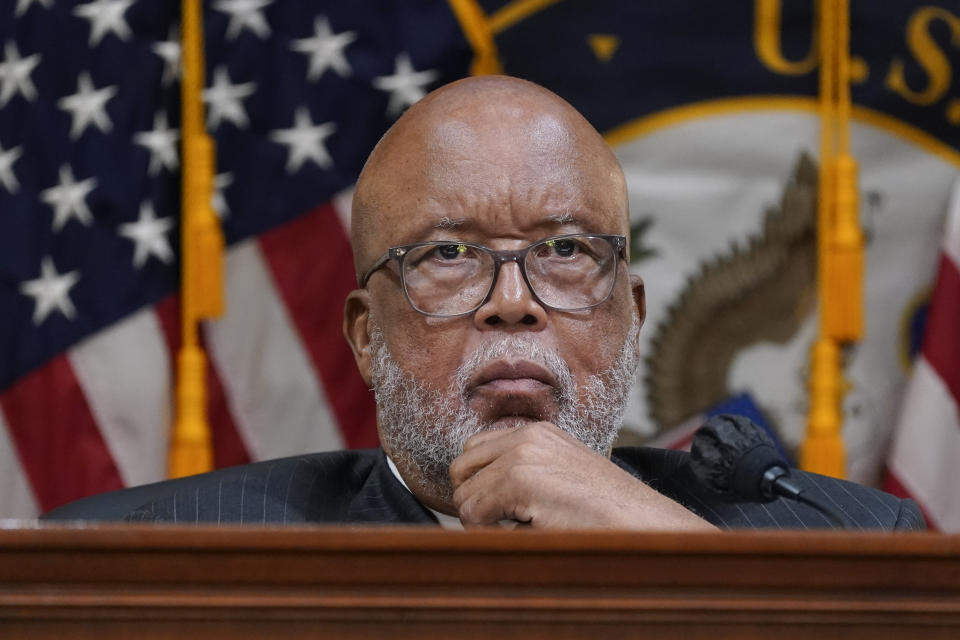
{"x":163,"y":582}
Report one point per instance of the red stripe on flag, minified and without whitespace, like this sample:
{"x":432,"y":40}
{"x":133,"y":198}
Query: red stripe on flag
{"x":228,"y":446}
{"x":61,"y":448}
{"x":892,"y":484}
{"x":941,"y":341}
{"x":312,"y":263}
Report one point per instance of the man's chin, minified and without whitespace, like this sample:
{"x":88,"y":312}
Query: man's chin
{"x":506,"y":411}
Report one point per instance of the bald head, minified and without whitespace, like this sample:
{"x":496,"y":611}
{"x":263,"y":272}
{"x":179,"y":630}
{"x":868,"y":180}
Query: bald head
{"x":482,"y":147}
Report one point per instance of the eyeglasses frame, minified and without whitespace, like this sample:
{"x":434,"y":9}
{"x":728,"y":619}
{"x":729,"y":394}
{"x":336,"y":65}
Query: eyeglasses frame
{"x":399,"y":253}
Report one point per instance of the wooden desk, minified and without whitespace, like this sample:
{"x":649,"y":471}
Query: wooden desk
{"x":165,"y":582}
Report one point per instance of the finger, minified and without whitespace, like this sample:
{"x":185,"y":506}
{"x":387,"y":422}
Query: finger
{"x":481,"y":511}
{"x":479,"y":454}
{"x":486,"y":435}
{"x":493,"y":494}
{"x":524,"y":444}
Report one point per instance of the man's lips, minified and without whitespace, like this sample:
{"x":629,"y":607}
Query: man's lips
{"x":512,"y":377}
{"x":514,"y":385}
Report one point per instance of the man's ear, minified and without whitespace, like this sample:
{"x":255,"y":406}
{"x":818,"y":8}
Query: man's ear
{"x":356,"y":314}
{"x":639,"y":299}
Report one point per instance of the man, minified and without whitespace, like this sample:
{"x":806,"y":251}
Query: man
{"x":497,"y":324}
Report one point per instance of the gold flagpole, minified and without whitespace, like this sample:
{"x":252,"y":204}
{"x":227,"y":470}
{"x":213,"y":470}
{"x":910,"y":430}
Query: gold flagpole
{"x":839,"y":248}
{"x":201,"y":293}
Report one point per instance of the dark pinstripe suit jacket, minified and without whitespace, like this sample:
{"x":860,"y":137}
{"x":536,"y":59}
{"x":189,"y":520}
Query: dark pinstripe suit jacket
{"x":358,"y":487}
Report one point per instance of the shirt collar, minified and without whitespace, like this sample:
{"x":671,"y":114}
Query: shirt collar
{"x":447,"y":522}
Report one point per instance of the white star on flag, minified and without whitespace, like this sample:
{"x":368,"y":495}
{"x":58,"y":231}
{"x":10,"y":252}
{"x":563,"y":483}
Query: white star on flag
{"x":169,"y":52}
{"x":218,"y":201}
{"x":68,"y":199}
{"x":23,"y":5}
{"x":7,"y":177}
{"x":325,"y":49}
{"x":406,"y":85}
{"x":245,"y":14}
{"x":51,"y":291}
{"x":225,"y":100}
{"x":15,"y":74}
{"x":162,"y":144}
{"x":148,"y":234}
{"x":105,"y":16}
{"x":88,"y":106}
{"x":305,"y":141}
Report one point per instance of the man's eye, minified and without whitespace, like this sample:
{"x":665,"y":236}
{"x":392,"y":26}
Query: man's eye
{"x":563,"y":248}
{"x":450,"y":251}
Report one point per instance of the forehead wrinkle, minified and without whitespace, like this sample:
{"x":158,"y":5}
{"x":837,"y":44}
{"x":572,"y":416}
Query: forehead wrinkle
{"x":508,"y":206}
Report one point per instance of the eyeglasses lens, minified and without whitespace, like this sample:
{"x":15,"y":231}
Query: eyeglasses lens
{"x":447,"y":279}
{"x":565,"y":273}
{"x":571,"y":273}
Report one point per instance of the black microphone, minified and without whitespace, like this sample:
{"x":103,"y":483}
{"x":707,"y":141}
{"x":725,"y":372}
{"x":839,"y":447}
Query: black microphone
{"x":735,"y":459}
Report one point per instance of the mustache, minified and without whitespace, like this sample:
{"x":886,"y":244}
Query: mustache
{"x":518,"y":347}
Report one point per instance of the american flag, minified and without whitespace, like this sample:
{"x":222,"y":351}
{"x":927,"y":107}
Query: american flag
{"x":297,"y":95}
{"x":926,"y":448}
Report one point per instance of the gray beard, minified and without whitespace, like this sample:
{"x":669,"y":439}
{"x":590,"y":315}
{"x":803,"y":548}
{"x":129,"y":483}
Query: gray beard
{"x":424,"y":430}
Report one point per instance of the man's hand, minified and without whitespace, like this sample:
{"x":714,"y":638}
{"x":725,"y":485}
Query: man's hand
{"x":542,"y":476}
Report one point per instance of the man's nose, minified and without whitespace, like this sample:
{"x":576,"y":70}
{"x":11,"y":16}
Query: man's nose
{"x":511,"y":303}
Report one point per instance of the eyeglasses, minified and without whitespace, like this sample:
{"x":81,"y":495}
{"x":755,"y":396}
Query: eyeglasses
{"x":565,"y":273}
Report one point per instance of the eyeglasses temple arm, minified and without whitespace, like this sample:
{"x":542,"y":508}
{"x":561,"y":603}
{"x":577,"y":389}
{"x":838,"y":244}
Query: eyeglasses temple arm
{"x":382,"y":260}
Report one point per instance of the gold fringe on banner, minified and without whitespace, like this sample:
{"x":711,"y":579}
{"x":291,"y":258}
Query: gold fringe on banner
{"x":201,"y":291}
{"x":839,"y":248}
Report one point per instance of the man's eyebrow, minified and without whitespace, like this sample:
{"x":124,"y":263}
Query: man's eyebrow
{"x":563,"y":218}
{"x":447,"y":223}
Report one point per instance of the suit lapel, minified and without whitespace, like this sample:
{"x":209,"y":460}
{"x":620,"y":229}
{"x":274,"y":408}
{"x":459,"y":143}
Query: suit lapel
{"x":383,"y":499}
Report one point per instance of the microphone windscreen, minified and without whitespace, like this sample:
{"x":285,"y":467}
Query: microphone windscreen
{"x":730,"y":454}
